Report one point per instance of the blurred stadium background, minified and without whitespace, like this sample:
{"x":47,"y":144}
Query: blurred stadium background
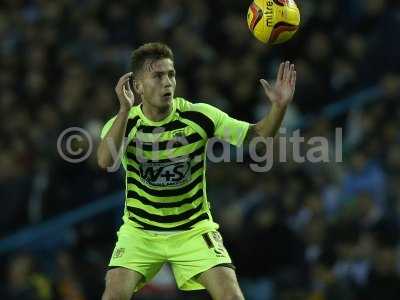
{"x":301,"y":231}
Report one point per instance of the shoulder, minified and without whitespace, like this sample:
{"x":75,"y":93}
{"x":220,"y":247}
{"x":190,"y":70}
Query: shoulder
{"x":133,"y":113}
{"x":182,"y":104}
{"x":202,"y":114}
{"x":185,"y":106}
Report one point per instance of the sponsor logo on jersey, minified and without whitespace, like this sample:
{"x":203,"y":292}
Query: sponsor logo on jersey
{"x":165,"y":174}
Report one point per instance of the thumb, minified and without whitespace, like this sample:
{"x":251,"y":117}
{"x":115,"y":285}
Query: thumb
{"x":266,"y":85}
{"x":269,"y":90}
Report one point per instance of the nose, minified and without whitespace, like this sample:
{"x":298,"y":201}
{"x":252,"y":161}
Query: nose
{"x":167,"y":82}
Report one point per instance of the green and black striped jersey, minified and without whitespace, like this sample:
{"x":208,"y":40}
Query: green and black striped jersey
{"x":165,"y":164}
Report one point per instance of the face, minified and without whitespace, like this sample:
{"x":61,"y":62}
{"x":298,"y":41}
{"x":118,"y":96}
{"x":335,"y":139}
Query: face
{"x":156,"y":83}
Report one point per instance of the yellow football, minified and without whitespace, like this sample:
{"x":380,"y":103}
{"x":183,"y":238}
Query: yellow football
{"x":273,"y":21}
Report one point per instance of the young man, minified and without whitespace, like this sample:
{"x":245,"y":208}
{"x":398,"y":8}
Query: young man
{"x":167,"y":216}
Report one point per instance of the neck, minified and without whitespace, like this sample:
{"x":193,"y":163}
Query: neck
{"x":155,"y":114}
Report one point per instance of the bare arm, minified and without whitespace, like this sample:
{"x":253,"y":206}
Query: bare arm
{"x":281,"y":94}
{"x":268,"y":126}
{"x":113,"y":140}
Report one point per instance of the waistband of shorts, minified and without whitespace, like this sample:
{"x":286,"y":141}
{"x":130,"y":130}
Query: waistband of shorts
{"x":200,"y":228}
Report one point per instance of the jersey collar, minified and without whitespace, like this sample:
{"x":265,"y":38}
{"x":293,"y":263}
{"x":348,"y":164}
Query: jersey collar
{"x":167,"y":119}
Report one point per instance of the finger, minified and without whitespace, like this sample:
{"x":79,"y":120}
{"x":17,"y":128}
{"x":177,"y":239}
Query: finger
{"x":124,"y":78}
{"x":124,"y":91}
{"x":286,"y":72}
{"x":290,"y":73}
{"x":128,"y":89}
{"x":293,"y":78}
{"x":128,"y":95}
{"x":279,"y":76}
{"x":127,"y":92}
{"x":128,"y":85}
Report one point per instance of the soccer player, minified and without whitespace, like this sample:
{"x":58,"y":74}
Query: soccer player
{"x":167,"y":215}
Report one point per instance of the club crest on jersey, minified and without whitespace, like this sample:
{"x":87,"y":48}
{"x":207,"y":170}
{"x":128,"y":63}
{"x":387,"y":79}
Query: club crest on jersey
{"x":119,"y":252}
{"x":178,"y":133}
{"x":166,"y":174}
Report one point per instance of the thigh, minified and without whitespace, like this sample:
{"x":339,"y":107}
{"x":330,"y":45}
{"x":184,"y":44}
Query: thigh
{"x":221,"y":282}
{"x":138,"y":252}
{"x":191,"y":254}
{"x":121,"y":283}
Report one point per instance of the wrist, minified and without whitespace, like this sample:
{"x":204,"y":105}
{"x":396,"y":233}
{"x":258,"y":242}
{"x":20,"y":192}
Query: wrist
{"x":279,"y":107}
{"x":123,"y":111}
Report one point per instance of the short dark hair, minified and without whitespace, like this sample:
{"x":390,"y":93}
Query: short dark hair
{"x":152,"y":51}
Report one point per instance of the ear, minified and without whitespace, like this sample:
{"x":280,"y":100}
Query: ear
{"x":138,"y":86}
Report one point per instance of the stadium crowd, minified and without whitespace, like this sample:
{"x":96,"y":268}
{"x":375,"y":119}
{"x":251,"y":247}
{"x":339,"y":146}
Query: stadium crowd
{"x":315,"y":231}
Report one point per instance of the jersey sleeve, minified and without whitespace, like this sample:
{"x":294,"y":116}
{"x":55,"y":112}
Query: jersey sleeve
{"x":107,"y":127}
{"x":226,"y":128}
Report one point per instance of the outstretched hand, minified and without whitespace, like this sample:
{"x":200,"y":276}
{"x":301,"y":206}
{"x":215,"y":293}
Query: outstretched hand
{"x":281,"y":94}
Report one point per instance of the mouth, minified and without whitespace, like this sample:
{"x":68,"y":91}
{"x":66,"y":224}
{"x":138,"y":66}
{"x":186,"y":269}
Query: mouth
{"x":167,"y":95}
